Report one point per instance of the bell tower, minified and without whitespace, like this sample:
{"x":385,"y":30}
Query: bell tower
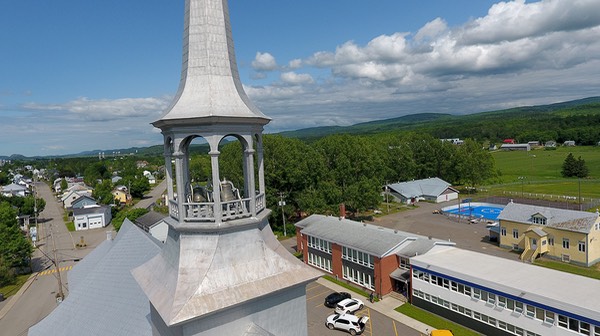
{"x":221,"y":270}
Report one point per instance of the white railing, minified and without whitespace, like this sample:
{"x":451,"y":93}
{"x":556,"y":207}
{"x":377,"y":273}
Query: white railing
{"x":204,"y":212}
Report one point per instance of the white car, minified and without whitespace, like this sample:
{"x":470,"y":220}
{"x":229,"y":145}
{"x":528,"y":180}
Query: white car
{"x":353,"y":324}
{"x":348,"y":306}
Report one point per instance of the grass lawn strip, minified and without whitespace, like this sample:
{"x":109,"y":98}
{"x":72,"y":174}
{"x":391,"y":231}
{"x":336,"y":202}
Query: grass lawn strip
{"x":13,"y":289}
{"x":590,"y":272}
{"x":434,"y":320}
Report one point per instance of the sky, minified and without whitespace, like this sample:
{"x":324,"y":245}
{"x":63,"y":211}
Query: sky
{"x":79,"y":75}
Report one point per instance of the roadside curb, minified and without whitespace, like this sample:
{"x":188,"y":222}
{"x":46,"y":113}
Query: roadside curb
{"x":386,"y":307}
{"x":15,"y":298}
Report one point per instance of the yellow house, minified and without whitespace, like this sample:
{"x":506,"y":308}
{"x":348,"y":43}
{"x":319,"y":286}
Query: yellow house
{"x":122,"y":196}
{"x":567,"y":235}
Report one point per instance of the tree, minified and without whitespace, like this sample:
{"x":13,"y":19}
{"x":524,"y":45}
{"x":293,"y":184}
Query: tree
{"x":15,"y":249}
{"x":63,"y":184}
{"x":574,"y":167}
{"x":131,"y":214}
{"x":475,"y":164}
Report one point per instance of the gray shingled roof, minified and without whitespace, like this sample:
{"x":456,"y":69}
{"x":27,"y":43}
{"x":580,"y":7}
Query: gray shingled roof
{"x":426,"y":187}
{"x":372,"y":239}
{"x":571,"y":220}
{"x":105,"y":299}
{"x":146,"y":221}
{"x":89,"y":210}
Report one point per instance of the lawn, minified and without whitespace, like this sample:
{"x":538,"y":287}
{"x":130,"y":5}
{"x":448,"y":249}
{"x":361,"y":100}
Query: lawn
{"x":539,"y":172}
{"x":14,"y":288}
{"x":590,"y":272}
{"x":434,"y":320}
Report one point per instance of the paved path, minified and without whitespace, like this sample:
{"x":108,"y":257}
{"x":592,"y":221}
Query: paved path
{"x":152,"y":196}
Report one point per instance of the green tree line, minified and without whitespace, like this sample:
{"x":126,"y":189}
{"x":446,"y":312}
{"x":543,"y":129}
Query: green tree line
{"x":317,"y":177}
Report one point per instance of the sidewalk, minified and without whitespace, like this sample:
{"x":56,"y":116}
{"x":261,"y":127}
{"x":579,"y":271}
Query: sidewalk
{"x":385,"y":307}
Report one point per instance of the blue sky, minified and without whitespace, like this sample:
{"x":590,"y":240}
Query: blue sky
{"x":82,"y":75}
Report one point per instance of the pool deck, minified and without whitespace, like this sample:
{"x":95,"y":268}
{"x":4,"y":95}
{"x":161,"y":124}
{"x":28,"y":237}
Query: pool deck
{"x":422,"y":221}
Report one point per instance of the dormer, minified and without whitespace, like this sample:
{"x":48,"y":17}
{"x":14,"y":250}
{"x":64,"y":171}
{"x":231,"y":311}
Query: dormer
{"x":538,"y":218}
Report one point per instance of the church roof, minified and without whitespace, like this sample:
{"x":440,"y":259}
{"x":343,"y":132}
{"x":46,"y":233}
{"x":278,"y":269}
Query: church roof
{"x":104,"y":299}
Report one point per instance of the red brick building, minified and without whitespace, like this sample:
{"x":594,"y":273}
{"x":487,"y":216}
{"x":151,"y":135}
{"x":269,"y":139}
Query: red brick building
{"x":370,"y":256}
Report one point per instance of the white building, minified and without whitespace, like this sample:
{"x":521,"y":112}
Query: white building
{"x":91,"y":217}
{"x":432,"y":189}
{"x":498,"y":296}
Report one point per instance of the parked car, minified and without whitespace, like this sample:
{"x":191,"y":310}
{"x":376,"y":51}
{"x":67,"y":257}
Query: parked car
{"x":349,"y":306}
{"x":353,"y":324}
{"x":332,"y":299}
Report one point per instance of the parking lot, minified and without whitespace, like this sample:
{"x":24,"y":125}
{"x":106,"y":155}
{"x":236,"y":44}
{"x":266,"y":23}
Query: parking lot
{"x":378,"y":323}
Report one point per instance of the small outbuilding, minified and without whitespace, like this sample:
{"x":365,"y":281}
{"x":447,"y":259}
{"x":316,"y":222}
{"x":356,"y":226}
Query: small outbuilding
{"x":432,"y":189}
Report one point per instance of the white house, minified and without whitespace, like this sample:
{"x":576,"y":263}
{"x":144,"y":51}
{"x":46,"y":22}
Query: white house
{"x":432,"y":189}
{"x":154,"y":223}
{"x":14,"y":189}
{"x":92,"y":217}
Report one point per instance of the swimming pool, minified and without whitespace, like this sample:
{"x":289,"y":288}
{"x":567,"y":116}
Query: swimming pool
{"x":475,"y":210}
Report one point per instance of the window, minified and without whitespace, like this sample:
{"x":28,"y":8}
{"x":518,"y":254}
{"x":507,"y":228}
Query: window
{"x":549,"y":317}
{"x":539,"y":220}
{"x":581,"y":246}
{"x":566,"y":258}
{"x":530,"y":311}
{"x":357,"y":257}
{"x":563,"y":321}
{"x":516,"y":247}
{"x":516,"y":233}
{"x":503,"y":231}
{"x":501,"y":301}
{"x":518,"y":307}
{"x":319,"y":244}
{"x":404,"y":263}
{"x":551,"y":241}
{"x":476,"y":293}
{"x":566,"y":243}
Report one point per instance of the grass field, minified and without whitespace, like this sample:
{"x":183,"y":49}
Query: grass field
{"x":539,"y":171}
{"x":434,"y":320}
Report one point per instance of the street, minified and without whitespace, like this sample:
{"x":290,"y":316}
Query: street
{"x":39,"y":298}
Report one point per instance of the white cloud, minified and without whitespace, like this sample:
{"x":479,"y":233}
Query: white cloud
{"x":295,"y":63}
{"x":106,"y":109}
{"x":264,"y":62}
{"x":431,"y":29}
{"x":296,"y":79}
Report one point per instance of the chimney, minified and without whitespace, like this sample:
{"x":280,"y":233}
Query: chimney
{"x":342,"y":211}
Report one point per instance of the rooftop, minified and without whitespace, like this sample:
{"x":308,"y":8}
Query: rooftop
{"x":559,"y":290}
{"x":571,"y":220}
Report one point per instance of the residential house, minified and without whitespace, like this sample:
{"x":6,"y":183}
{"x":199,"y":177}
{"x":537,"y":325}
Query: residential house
{"x":154,"y":223}
{"x":83,"y":201}
{"x":150,"y":177}
{"x":569,"y":143}
{"x":509,"y":141}
{"x":69,"y":197}
{"x":121,"y":194}
{"x":550,"y":144}
{"x":92,"y":217}
{"x":567,"y":235}
{"x":366,"y":255}
{"x":432,"y":189}
{"x":14,"y":189}
{"x":533,"y":144}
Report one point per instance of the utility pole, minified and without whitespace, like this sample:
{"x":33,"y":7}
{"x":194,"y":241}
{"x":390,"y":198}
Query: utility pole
{"x":281,"y":204}
{"x":579,"y":180}
{"x":60,"y":296}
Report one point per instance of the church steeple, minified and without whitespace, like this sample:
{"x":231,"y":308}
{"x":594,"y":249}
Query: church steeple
{"x":210,"y":86}
{"x":211,"y":103}
{"x":221,"y":270}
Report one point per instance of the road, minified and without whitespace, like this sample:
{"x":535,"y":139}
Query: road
{"x":39,"y":298}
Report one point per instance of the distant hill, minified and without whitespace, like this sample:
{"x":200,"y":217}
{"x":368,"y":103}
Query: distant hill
{"x":508,"y":123}
{"x":572,"y":120}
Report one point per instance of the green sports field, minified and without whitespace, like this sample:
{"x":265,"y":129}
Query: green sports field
{"x":539,"y":171}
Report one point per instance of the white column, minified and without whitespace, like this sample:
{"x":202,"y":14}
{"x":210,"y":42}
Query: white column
{"x":179,"y":157}
{"x":249,"y":179}
{"x":214,"y":161}
{"x":261,"y":165}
